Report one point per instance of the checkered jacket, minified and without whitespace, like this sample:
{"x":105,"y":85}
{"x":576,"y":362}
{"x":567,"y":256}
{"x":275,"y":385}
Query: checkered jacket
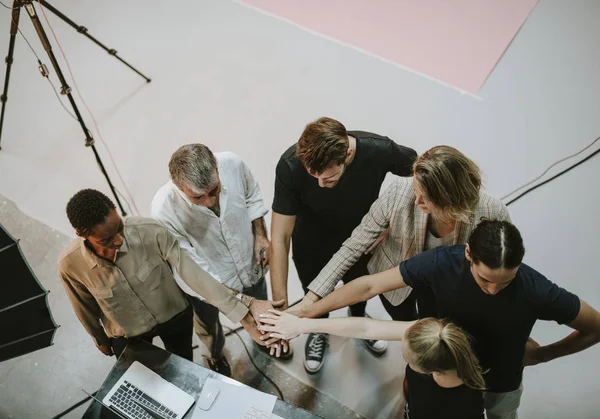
{"x":407,"y":224}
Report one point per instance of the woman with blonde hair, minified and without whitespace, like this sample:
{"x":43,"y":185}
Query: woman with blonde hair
{"x":439,"y":206}
{"x":443,"y":377}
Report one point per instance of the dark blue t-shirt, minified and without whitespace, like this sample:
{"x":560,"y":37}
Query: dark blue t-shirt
{"x":499,"y":324}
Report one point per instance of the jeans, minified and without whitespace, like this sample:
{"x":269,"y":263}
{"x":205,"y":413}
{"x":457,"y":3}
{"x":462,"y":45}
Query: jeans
{"x":502,"y":405}
{"x":206,"y":319}
{"x":176,"y":334}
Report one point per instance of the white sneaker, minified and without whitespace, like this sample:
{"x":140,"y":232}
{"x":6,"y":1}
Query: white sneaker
{"x":377,"y":347}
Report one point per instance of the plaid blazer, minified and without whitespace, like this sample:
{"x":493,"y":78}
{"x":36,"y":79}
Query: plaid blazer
{"x":407,"y":224}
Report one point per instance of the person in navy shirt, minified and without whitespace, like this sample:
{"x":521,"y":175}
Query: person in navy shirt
{"x":484,"y":288}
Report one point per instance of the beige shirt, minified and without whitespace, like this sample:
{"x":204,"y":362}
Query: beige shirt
{"x":395,"y":209}
{"x":137,"y":292}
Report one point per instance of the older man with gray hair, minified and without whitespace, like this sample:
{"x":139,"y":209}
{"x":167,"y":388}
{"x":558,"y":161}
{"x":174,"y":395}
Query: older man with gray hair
{"x":213,"y":205}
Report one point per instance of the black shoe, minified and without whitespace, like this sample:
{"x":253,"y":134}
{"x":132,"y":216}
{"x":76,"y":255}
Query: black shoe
{"x":377,"y":347}
{"x":314,"y":352}
{"x":221,"y":366}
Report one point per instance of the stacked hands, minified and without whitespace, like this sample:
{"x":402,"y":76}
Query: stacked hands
{"x":273,"y":328}
{"x":253,"y":324}
{"x":262,"y":311}
{"x":281,"y":325}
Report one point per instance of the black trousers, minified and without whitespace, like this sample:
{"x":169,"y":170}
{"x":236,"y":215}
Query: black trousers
{"x":309,"y":269}
{"x":176,"y":334}
{"x":419,"y":304}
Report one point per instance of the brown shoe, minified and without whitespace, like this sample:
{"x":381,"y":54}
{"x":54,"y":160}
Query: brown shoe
{"x":221,"y":366}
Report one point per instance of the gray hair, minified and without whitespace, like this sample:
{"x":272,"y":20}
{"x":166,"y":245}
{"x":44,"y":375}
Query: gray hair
{"x":195,"y":166}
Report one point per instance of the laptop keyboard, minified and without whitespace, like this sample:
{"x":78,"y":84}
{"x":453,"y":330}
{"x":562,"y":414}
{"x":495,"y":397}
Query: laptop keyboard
{"x":254,"y":413}
{"x":128,"y":399}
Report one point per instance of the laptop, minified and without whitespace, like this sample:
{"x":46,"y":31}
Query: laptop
{"x":140,"y":393}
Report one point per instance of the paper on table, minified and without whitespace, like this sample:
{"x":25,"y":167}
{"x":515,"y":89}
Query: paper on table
{"x":233,"y":400}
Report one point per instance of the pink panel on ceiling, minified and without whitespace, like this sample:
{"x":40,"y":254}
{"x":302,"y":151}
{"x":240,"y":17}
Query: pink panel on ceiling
{"x":457,"y":42}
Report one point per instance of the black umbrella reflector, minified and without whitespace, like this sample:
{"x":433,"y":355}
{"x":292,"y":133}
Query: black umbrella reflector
{"x":5,"y":239}
{"x":26,"y":323}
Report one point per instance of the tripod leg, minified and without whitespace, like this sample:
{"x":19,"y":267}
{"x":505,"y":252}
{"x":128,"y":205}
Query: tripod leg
{"x":83,"y":30}
{"x":14,"y":26}
{"x":66,"y":90}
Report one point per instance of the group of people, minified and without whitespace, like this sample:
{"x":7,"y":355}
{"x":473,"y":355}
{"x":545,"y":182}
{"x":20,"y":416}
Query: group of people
{"x":442,"y":255}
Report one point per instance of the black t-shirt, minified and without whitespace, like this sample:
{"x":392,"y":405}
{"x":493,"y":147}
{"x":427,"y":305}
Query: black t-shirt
{"x":425,"y":399}
{"x":499,"y":324}
{"x":325,"y":217}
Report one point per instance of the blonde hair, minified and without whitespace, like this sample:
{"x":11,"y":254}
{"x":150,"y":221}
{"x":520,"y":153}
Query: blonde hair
{"x":442,"y":346}
{"x":450,"y":180}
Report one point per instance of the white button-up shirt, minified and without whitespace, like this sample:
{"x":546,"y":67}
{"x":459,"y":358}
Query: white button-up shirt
{"x":223,"y":246}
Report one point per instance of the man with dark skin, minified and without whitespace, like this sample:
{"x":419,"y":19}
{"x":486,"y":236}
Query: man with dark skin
{"x":118,"y":276}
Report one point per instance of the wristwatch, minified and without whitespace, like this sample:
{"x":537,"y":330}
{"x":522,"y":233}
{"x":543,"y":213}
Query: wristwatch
{"x":239,"y":296}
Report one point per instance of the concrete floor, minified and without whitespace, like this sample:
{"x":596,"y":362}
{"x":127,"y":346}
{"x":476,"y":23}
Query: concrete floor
{"x":238,"y":80}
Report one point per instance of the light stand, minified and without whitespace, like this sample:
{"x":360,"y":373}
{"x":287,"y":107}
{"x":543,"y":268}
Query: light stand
{"x":65,"y":89}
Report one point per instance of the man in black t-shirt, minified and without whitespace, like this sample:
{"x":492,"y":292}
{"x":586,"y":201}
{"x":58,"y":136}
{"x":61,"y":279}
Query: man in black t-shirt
{"x":324,"y":186}
{"x":484,"y":288}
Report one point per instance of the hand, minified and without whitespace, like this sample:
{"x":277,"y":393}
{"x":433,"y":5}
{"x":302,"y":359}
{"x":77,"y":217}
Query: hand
{"x":258,"y":307}
{"x":106,"y":349}
{"x":281,"y":325}
{"x":261,"y":250}
{"x":249,"y":324}
{"x":278,"y":347}
{"x":533,"y":353}
{"x":377,"y":242}
{"x":298,"y":310}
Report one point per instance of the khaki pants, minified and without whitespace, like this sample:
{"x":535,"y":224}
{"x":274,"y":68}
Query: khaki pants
{"x":207,"y":324}
{"x":502,"y":405}
{"x":208,"y":327}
